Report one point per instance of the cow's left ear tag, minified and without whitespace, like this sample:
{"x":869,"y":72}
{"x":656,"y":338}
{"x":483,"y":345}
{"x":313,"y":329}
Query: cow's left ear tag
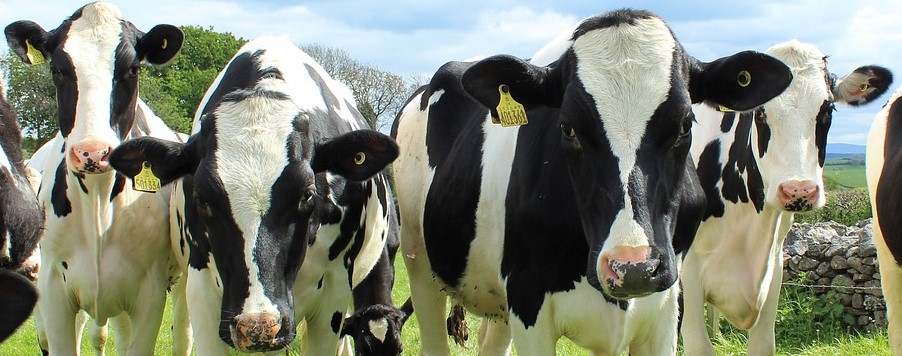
{"x":34,"y":56}
{"x":510,"y":112}
{"x":145,"y":181}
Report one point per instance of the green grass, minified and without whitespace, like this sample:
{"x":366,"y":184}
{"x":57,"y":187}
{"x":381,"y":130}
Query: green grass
{"x":733,"y":342}
{"x":848,"y":176}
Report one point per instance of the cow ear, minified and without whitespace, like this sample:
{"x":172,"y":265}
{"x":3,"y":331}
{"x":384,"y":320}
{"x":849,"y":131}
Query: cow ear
{"x":17,"y":299}
{"x":863,"y":85}
{"x":167,"y":159}
{"x":161,"y":44}
{"x":528,"y":84}
{"x":356,"y":155}
{"x":28,"y":41}
{"x":740,"y":82}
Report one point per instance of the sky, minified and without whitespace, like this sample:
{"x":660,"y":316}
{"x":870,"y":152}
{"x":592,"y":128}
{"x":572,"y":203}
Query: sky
{"x":413,"y":38}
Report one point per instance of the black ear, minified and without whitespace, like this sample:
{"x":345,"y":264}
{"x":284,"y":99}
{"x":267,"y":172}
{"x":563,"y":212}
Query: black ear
{"x":17,"y":299}
{"x":349,"y":325}
{"x":529,"y":85}
{"x":21,"y":33}
{"x":407,"y":310}
{"x":168,"y":160}
{"x":863,"y":85}
{"x":740,"y":82}
{"x":161,"y":44}
{"x":356,"y":155}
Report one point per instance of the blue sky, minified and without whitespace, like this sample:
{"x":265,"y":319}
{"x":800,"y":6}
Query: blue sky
{"x":413,"y":38}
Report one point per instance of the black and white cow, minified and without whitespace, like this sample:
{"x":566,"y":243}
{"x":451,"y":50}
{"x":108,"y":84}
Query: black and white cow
{"x":20,"y":223}
{"x":106,"y":248}
{"x":758,"y":169}
{"x":884,"y":175}
{"x":281,"y":208}
{"x":572,"y":225}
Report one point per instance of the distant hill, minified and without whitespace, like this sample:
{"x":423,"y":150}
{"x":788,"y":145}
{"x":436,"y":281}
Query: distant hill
{"x":846,"y":148}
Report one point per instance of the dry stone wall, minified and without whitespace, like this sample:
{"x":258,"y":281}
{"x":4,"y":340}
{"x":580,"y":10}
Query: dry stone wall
{"x":832,"y":257}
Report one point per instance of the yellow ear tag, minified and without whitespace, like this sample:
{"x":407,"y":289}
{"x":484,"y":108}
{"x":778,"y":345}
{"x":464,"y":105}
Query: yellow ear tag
{"x":510,"y":112}
{"x":864,"y":87}
{"x":145,"y":181}
{"x":165,"y":43}
{"x":722,"y":108}
{"x":744,"y":78}
{"x":34,"y":56}
{"x":359,"y":158}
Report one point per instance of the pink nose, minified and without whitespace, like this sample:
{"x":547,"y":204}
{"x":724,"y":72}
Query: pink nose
{"x":90,"y":157}
{"x":257,"y":332}
{"x":798,"y":195}
{"x":622,"y":260}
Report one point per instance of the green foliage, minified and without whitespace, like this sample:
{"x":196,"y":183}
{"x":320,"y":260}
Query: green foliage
{"x":806,"y":315}
{"x":846,"y":175}
{"x":30,"y":90}
{"x":175,"y":90}
{"x":845,"y":206}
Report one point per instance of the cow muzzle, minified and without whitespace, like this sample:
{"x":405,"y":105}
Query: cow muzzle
{"x":90,"y":157}
{"x":631,"y":271}
{"x":797,"y":196}
{"x":258,"y":332}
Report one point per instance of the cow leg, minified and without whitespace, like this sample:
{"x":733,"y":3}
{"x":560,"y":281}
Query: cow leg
{"x":39,"y":329}
{"x":891,"y":282}
{"x":324,"y":327}
{"x":206,"y":303}
{"x":657,"y":333}
{"x":147,"y":316}
{"x":762,"y":340}
{"x":494,"y":337}
{"x":181,"y":325}
{"x":98,"y":335}
{"x":693,"y":330}
{"x":538,"y":339}
{"x":122,"y":328}
{"x":58,"y":313}
{"x":429,"y":303}
{"x":713,"y":317}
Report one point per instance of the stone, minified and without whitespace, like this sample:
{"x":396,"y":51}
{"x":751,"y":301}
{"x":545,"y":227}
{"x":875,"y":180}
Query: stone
{"x":807,"y":264}
{"x":852,"y":251}
{"x":876,"y":276}
{"x":864,"y":320}
{"x":795,"y":247}
{"x":854,"y":262}
{"x":857,"y":300}
{"x":880,"y":318}
{"x":860,"y":277}
{"x":839,"y":262}
{"x":868,"y":269}
{"x":867,"y":248}
{"x":872,"y":288}
{"x":844,"y":299}
{"x":870,"y":261}
{"x":874,"y":303}
{"x":836,"y":248}
{"x":824,"y":270}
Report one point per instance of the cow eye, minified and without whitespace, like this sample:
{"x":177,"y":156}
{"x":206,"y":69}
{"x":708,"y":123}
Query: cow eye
{"x":133,"y":71}
{"x":568,"y":131}
{"x":685,"y":127}
{"x":203,"y":208}
{"x":306,"y":201}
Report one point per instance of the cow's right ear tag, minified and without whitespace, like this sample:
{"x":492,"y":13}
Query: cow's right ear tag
{"x":510,"y":112}
{"x":34,"y":56}
{"x":145,"y":181}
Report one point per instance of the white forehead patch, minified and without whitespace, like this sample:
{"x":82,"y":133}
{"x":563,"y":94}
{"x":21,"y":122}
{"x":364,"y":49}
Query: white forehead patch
{"x":251,"y":154}
{"x":626,"y":69}
{"x":379,"y":328}
{"x":91,"y":43}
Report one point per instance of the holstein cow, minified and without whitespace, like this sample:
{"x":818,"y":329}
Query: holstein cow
{"x":281,"y":208}
{"x":105,"y":249}
{"x":20,"y":223}
{"x":758,"y":169}
{"x":884,"y":175}
{"x":572,"y":225}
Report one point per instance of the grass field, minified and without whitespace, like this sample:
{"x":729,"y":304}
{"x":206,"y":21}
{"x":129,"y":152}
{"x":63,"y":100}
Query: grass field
{"x":848,"y":176}
{"x":733,"y":342}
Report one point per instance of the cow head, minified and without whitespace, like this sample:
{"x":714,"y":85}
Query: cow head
{"x":257,"y":194}
{"x":95,"y":56}
{"x":789,"y":138}
{"x":625,"y":87}
{"x":376,"y":330}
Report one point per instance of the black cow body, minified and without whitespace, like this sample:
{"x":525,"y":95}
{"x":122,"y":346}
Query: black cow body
{"x":281,"y":209}
{"x":573,"y":224}
{"x":20,"y":221}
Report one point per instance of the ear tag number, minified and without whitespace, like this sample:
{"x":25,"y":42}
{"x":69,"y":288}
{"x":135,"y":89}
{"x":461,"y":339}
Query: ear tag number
{"x":359,"y":158}
{"x":510,"y":112}
{"x":34,"y":56}
{"x":165,"y":43}
{"x":145,"y":181}
{"x":744,"y":78}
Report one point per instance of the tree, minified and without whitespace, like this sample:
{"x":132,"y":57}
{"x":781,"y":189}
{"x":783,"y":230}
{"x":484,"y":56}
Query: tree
{"x":175,"y":90}
{"x":379,"y":94}
{"x":30,"y":90}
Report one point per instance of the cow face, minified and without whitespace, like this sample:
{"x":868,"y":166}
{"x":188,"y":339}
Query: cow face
{"x":255,"y":195}
{"x":789,"y":137}
{"x":624,"y":88}
{"x":94,"y":57}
